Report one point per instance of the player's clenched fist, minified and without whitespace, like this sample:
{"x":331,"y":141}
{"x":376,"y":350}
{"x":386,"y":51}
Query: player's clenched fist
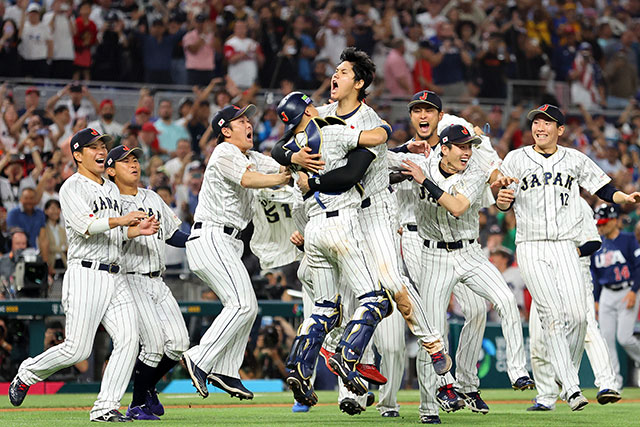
{"x":303,"y":182}
{"x":297,"y":238}
{"x":132,"y":218}
{"x":285,"y":176}
{"x":505,"y":198}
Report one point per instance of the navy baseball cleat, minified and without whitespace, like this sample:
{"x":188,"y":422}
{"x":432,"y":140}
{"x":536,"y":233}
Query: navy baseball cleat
{"x":350,"y":406}
{"x":390,"y":414}
{"x":302,"y":388}
{"x":430,"y":419}
{"x":140,"y":413}
{"x":538,"y":407}
{"x":448,"y":399}
{"x":475,"y":402}
{"x":153,"y":403}
{"x":113,"y":416}
{"x":608,"y":396}
{"x":17,"y":391}
{"x":346,"y":370}
{"x":371,"y":398}
{"x":233,"y":386}
{"x":198,"y":376}
{"x":441,"y":362}
{"x":524,"y":383}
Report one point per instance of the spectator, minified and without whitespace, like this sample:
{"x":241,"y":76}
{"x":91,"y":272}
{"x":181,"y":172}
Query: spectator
{"x":32,"y":103}
{"x":109,"y":62}
{"x":586,"y":79}
{"x":54,"y":335}
{"x":8,"y":262}
{"x":306,"y":52}
{"x":564,"y":55}
{"x":198,"y":45}
{"x":176,"y":167}
{"x":53,"y":238}
{"x":198,"y":123}
{"x":178,"y":62}
{"x":49,"y":182}
{"x":175,"y":257}
{"x":9,"y":57}
{"x":502,"y":258}
{"x":60,"y":20}
{"x":157,"y":47}
{"x":84,"y":39}
{"x":148,"y":138}
{"x":61,"y":127}
{"x":27,"y":216}
{"x":270,"y":129}
{"x":170,"y":132}
{"x":243,"y":55}
{"x":397,"y":76}
{"x":272,"y":45}
{"x":80,"y":102}
{"x":621,"y":73}
{"x":106,"y":122}
{"x":187,"y":193}
{"x":332,"y":39}
{"x":449,"y":61}
{"x":36,"y":45}
{"x":141,"y":116}
{"x":363,"y":36}
{"x":492,"y":68}
{"x":14,"y":184}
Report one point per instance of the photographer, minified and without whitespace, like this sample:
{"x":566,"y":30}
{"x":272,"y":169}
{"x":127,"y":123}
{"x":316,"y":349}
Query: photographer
{"x":54,"y":335}
{"x":269,"y":352}
{"x":23,"y":273}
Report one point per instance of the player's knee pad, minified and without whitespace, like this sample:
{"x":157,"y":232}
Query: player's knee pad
{"x":306,"y":346}
{"x":374,"y":306}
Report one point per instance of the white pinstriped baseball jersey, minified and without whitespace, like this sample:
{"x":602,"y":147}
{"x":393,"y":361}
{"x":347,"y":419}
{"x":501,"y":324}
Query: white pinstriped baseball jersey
{"x":376,"y":178}
{"x":588,"y":231}
{"x":83,"y":201}
{"x":338,"y":140}
{"x":406,"y":199}
{"x":435,"y":222}
{"x":547,"y":197}
{"x":273,"y":224}
{"x":223,"y":200}
{"x":146,"y":254}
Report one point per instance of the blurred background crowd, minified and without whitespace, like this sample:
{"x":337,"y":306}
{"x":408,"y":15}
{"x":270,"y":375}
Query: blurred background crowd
{"x":152,"y":74}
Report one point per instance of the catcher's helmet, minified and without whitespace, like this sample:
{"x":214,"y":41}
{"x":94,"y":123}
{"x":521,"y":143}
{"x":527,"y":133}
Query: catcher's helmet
{"x":291,"y":109}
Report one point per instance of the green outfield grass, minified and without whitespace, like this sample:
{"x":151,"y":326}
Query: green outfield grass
{"x":273,"y":409}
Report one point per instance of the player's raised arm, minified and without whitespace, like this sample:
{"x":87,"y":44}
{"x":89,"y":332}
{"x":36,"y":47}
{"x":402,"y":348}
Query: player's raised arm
{"x":374,"y":137}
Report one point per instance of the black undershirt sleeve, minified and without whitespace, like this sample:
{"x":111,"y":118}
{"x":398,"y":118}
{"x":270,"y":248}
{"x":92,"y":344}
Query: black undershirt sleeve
{"x":606,"y":192}
{"x":589,"y":248}
{"x":345,"y":177}
{"x":278,"y":152}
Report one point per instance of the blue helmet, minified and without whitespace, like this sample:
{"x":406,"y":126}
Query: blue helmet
{"x":291,"y":109}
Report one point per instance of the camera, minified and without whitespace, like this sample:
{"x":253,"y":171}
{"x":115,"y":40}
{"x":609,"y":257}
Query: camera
{"x":271,"y":336}
{"x":59,"y":336}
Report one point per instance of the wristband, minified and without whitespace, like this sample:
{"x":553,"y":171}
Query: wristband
{"x":387,"y":129}
{"x":314,"y":183}
{"x":433,"y":189}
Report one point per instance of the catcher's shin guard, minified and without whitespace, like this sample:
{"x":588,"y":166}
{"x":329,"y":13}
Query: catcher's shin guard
{"x":306,"y":346}
{"x":374,"y":306}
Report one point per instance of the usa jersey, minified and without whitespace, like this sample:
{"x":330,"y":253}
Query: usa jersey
{"x":616,"y":264}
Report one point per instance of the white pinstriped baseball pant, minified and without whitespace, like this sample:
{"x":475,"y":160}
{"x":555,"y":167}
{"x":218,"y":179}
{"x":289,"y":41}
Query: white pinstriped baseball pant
{"x":215,"y":257}
{"x":551,"y":271}
{"x":161,"y":325}
{"x":91,"y":297}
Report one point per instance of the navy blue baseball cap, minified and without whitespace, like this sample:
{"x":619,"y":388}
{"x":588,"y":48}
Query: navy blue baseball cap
{"x":605,"y":213}
{"x":291,"y":109}
{"x":458,"y":134}
{"x":426,"y":97}
{"x":551,"y":111}
{"x":119,"y":153}
{"x":87,"y":136}
{"x":229,"y":114}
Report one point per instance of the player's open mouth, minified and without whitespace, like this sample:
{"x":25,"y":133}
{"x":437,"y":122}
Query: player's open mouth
{"x":250,"y":136}
{"x":424,"y":126}
{"x":334,"y":85}
{"x":100,"y":160}
{"x":464,"y":160}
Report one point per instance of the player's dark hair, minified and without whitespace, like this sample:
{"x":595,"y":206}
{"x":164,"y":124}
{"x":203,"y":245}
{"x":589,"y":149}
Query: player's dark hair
{"x":163,"y":187}
{"x":363,"y":68}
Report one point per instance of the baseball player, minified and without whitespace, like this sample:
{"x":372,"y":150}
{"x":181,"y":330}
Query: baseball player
{"x":450,"y":193}
{"x":214,"y":250}
{"x":163,"y":333}
{"x":589,"y":241}
{"x":333,"y":245}
{"x":546,"y":203}
{"x":616,"y":276}
{"x":94,"y":289}
{"x":348,"y":88}
{"x":427,"y":118}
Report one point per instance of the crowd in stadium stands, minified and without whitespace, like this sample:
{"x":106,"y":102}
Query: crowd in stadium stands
{"x":585,"y":56}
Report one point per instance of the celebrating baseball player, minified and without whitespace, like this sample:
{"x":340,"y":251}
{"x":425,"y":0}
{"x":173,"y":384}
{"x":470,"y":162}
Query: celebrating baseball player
{"x":547,"y":208}
{"x":450,"y":193}
{"x":333,"y":245}
{"x":163,"y":333}
{"x":548,"y":390}
{"x":377,"y":219}
{"x":214,"y":250}
{"x":94,"y":289}
{"x":616,"y":275}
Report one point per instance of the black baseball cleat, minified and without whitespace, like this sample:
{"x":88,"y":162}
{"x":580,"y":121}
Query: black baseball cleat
{"x":430,"y":419}
{"x":449,"y":399}
{"x":475,"y":402}
{"x":441,"y":362}
{"x":302,"y":389}
{"x":350,"y":406}
{"x":113,"y":416}
{"x":233,"y":386}
{"x":198,"y":376}
{"x":371,"y":398}
{"x":347,"y":372}
{"x":390,"y":414}
{"x":523,"y":383}
{"x":608,"y":396}
{"x":17,"y":391}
